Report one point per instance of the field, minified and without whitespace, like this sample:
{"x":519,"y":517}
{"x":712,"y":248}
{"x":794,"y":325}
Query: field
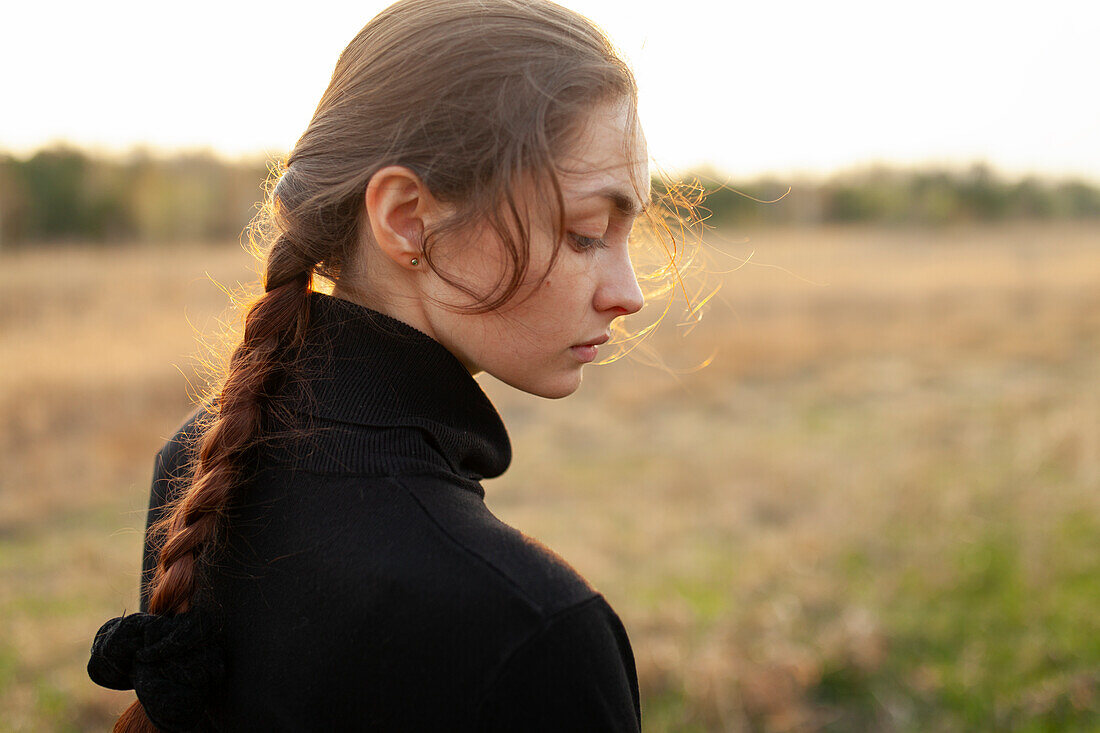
{"x":877,"y":508}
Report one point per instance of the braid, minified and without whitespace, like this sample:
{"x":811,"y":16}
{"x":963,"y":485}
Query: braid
{"x":274,"y":330}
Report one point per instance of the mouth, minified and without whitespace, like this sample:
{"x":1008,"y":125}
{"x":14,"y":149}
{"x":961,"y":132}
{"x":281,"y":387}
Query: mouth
{"x":587,"y":351}
{"x":596,"y":341}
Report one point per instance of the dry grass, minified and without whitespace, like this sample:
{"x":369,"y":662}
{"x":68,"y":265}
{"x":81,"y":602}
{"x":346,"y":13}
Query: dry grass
{"x":876,"y":509}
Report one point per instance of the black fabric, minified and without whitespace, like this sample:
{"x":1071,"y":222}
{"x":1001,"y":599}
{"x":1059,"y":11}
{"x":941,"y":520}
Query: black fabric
{"x":363,"y":584}
{"x":173,"y":663}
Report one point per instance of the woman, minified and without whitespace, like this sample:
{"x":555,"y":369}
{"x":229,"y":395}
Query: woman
{"x":319,"y":555}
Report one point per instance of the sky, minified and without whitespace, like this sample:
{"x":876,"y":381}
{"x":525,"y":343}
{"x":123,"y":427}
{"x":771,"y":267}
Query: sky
{"x":744,"y":87}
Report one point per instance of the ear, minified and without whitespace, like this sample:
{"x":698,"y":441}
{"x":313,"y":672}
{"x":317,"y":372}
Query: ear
{"x":400,"y":207}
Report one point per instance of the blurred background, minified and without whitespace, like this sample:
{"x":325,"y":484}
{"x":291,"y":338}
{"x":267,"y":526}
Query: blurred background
{"x":860,"y":494}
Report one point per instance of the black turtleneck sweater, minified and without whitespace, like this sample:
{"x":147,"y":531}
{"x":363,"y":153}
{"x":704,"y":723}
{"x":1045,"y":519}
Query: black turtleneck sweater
{"x":364,"y":585}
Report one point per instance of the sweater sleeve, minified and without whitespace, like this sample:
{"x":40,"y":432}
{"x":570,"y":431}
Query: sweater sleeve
{"x":576,"y":673}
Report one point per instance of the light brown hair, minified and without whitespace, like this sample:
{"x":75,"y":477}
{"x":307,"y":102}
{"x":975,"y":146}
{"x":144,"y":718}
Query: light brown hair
{"x":471,"y":95}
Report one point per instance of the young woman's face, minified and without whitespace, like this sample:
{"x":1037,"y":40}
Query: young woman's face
{"x":540,"y":339}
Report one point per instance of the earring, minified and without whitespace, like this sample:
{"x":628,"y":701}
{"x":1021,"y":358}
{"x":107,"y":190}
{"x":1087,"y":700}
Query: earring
{"x":415,"y":262}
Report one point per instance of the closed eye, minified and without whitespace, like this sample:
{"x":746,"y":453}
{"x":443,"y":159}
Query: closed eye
{"x":583,"y":242}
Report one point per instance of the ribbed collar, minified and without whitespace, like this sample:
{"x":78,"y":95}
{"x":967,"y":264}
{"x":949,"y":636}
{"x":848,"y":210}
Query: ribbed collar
{"x":366,"y":368}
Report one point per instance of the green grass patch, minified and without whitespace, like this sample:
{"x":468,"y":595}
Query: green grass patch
{"x":989,"y":638}
{"x":669,"y":710}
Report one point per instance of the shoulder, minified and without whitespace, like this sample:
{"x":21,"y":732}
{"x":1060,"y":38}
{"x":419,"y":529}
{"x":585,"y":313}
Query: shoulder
{"x":172,"y":469}
{"x":566,"y":664}
{"x":576,"y":672}
{"x":176,"y":454}
{"x":534,"y":572}
{"x":174,"y":460}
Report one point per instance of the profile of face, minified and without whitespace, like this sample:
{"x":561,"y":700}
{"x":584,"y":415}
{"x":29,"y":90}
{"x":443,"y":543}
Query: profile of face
{"x":552,"y":326}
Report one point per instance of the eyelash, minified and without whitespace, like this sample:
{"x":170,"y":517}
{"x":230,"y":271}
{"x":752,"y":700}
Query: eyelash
{"x":584,"y":243}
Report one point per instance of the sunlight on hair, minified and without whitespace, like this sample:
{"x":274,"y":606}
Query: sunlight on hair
{"x":215,"y":346}
{"x":667,"y":248}
{"x":674,"y":250}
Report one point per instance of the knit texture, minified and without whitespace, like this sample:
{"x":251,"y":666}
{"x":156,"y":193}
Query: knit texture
{"x":363,"y":583}
{"x":172,"y":662}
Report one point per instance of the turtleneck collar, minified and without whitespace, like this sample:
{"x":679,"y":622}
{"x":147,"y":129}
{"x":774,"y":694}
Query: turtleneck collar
{"x":366,"y":368}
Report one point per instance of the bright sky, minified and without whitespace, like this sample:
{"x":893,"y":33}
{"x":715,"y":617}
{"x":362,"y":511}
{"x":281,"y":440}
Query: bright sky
{"x":799,"y":85}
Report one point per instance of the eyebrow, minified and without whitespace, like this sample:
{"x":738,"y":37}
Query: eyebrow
{"x":624,"y":204}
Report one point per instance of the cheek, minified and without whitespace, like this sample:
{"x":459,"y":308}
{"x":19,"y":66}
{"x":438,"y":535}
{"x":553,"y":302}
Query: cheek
{"x":557,"y":306}
{"x":569,"y":291}
{"x":540,"y":324}
{"x":477,"y":262}
{"x":553,"y":309}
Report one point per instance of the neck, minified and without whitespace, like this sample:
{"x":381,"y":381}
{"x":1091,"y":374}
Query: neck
{"x":389,"y":294}
{"x":395,"y":302}
{"x":367,"y":368}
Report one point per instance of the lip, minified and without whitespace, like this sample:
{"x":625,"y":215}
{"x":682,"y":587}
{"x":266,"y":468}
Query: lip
{"x":596,"y":341}
{"x":587,"y":351}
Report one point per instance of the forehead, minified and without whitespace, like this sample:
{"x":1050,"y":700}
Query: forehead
{"x":608,"y":160}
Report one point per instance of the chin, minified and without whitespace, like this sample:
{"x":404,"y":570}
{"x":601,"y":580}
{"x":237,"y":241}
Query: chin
{"x":553,"y":387}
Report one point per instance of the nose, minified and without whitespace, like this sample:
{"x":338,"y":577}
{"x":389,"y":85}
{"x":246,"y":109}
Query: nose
{"x":618,"y":290}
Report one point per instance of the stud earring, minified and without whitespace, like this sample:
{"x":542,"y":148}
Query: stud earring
{"x":415,"y":262}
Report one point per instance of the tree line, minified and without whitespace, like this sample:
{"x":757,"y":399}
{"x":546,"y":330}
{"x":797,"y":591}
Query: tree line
{"x":63,"y":193}
{"x":66,"y":194}
{"x":894,"y":195}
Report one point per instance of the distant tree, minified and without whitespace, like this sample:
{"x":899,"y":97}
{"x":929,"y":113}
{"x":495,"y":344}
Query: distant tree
{"x":54,"y":183}
{"x":1078,"y":200}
